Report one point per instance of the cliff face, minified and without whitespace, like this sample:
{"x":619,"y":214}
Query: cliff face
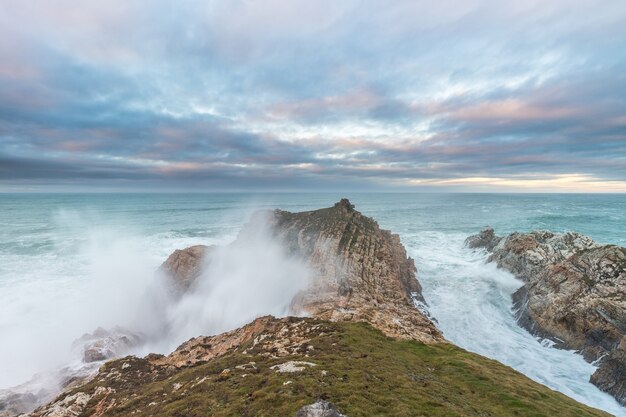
{"x":361,"y":272}
{"x":574,"y":293}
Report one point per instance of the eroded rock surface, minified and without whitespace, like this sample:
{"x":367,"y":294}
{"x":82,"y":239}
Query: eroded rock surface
{"x":95,"y":348}
{"x":363,"y":272}
{"x":574,"y":293}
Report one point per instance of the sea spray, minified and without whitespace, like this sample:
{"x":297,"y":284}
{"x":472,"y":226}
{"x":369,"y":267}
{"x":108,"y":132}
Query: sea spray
{"x":251,"y":277}
{"x":113,"y":283}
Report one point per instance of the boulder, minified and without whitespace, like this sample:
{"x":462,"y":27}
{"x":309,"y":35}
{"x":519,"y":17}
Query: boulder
{"x":320,"y":408}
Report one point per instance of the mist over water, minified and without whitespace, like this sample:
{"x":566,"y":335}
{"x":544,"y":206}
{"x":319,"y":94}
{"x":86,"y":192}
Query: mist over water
{"x":72,"y":263}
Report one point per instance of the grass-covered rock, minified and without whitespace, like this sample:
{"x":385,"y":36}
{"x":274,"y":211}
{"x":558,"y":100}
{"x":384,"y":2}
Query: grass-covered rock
{"x":277,"y":366}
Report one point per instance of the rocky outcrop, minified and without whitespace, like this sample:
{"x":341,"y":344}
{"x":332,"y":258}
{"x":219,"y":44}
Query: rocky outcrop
{"x":574,"y":293}
{"x":105,"y":344}
{"x":184,"y":266}
{"x":320,"y":408}
{"x":364,"y":291}
{"x":362,"y":273}
{"x":485,"y":239}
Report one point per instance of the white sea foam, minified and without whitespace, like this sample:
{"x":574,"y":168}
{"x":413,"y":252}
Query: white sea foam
{"x":471,"y":301}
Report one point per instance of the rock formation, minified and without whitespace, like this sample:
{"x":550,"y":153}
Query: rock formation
{"x":574,"y":294}
{"x":362,"y":273}
{"x":184,"y":266}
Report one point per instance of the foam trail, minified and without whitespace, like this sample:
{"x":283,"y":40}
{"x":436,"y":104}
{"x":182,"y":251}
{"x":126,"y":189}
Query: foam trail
{"x":471,"y":301}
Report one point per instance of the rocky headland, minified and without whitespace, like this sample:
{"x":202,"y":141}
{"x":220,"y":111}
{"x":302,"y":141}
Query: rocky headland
{"x":362,"y":344}
{"x":574,"y":293}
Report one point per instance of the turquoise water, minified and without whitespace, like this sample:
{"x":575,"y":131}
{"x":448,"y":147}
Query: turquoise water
{"x":70,"y":263}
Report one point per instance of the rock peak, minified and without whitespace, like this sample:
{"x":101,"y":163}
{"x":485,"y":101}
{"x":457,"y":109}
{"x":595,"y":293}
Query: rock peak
{"x":345,"y":203}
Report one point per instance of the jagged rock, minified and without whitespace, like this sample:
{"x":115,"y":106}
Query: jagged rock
{"x":184,"y":266}
{"x":485,"y":239}
{"x":106,"y":344}
{"x":362,"y":273}
{"x":574,"y":293}
{"x":320,"y":408}
{"x":94,"y":347}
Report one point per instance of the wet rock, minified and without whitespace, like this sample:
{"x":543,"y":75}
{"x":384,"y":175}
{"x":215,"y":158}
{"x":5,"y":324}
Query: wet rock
{"x":320,"y":408}
{"x":574,"y":294}
{"x":611,"y":374}
{"x":486,"y":239}
{"x":42,"y":388}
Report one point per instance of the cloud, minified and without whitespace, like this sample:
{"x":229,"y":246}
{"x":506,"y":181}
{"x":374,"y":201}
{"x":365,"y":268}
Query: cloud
{"x":228,"y":95}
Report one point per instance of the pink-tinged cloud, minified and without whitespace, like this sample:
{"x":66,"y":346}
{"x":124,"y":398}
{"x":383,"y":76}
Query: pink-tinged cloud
{"x":514,"y":109}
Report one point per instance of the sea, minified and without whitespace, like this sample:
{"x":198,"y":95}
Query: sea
{"x":70,"y":263}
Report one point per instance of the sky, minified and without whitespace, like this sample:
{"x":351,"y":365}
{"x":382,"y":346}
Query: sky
{"x":290,"y":95}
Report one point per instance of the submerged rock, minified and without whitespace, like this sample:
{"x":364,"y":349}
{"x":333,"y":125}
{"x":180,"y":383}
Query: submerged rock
{"x":320,"y":408}
{"x":574,"y":293}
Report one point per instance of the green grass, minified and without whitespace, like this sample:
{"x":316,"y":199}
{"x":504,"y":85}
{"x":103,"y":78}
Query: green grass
{"x":367,"y":374}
